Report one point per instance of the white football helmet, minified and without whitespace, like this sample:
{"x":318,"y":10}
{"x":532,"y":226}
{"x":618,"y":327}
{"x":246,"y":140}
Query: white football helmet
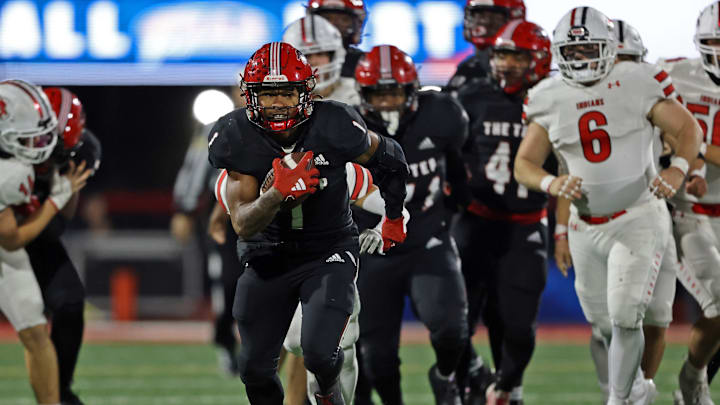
{"x":314,"y":34}
{"x":708,"y":28}
{"x":589,"y":27}
{"x":629,"y":41}
{"x":27,"y":122}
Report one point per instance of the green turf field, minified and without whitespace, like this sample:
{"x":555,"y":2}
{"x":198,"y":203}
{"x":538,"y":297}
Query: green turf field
{"x":155,"y":374}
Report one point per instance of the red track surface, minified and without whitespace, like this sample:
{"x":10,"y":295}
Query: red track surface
{"x":200,"y":332}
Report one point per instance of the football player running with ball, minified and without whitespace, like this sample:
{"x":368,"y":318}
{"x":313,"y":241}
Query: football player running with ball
{"x":431,"y":126}
{"x":600,"y":118}
{"x":506,"y":278}
{"x":297,"y":242}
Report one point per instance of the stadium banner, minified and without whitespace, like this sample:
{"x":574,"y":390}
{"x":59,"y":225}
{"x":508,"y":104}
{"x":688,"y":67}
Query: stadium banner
{"x":175,"y":42}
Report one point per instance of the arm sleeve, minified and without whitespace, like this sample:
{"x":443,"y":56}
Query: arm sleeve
{"x":359,"y":181}
{"x":220,"y":190}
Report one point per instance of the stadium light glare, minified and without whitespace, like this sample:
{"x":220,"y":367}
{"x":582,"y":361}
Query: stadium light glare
{"x":210,"y":105}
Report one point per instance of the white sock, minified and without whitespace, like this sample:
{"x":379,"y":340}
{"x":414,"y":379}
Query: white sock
{"x":624,"y":357}
{"x":599,"y":353}
{"x":516,"y":394}
{"x":444,"y":377}
{"x":694,"y":373}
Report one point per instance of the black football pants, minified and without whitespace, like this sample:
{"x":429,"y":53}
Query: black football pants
{"x":504,"y":265}
{"x":224,"y":334}
{"x":265,"y":301}
{"x":432,"y":279}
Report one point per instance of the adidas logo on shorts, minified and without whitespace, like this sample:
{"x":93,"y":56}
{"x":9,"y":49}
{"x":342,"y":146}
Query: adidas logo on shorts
{"x":335,"y":259}
{"x":299,"y":186}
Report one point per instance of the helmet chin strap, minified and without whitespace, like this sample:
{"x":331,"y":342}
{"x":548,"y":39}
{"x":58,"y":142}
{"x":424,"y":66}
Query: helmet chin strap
{"x":392,"y":121}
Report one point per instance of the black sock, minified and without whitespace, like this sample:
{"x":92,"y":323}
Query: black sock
{"x":713,"y":366}
{"x":448,"y":353}
{"x":66,"y":335}
{"x":388,"y":387}
{"x":363,"y":389}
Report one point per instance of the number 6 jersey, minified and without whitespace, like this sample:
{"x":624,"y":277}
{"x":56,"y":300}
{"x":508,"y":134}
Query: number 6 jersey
{"x":602,"y":132}
{"x":701,"y":96}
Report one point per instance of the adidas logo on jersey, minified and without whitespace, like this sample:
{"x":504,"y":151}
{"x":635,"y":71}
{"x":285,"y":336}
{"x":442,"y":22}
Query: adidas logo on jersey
{"x":335,"y":259}
{"x":320,"y":160}
{"x":299,"y":186}
{"x":426,"y":143}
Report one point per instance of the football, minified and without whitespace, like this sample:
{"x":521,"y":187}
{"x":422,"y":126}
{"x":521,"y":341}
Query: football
{"x":290,"y":161}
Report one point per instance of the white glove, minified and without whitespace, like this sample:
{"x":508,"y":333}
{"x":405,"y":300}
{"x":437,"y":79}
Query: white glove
{"x":61,"y":191}
{"x":371,"y":241}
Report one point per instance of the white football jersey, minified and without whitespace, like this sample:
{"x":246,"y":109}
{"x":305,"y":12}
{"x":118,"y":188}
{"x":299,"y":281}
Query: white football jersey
{"x":602,"y":132}
{"x":702,"y":97}
{"x":345,"y":92}
{"x":17,"y":182}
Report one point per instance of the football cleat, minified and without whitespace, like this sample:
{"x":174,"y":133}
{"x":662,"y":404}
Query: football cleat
{"x":643,"y":393}
{"x":479,"y":380}
{"x":496,"y":397}
{"x":678,"y":398}
{"x":694,"y":392}
{"x":445,"y":389}
{"x":69,"y":398}
{"x":334,"y":397}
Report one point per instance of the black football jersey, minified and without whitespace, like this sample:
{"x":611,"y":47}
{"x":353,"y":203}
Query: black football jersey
{"x":474,"y":68}
{"x":335,"y":133}
{"x":438,"y":125}
{"x":352,"y":57}
{"x":496,"y":130}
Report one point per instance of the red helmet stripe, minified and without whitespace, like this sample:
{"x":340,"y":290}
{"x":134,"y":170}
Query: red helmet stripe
{"x":717,"y":11}
{"x":385,"y":62}
{"x":302,"y":30}
{"x":509,"y":31}
{"x":572,"y":17}
{"x":64,"y":112}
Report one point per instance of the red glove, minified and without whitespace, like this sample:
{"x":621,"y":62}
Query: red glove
{"x":294,"y":183}
{"x":393,"y":232}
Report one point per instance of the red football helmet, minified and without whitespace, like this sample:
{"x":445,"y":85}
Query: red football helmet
{"x":479,"y":29}
{"x":352,"y":35}
{"x":384,"y":68}
{"x":70,"y":115}
{"x":278,"y":65}
{"x":523,"y":36}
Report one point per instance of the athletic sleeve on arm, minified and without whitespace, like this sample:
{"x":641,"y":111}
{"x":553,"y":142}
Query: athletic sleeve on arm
{"x":220,"y":190}
{"x":359,"y":181}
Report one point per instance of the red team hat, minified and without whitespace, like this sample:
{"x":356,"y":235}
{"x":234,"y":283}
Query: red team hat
{"x":478,"y":34}
{"x":70,"y":115}
{"x":356,"y":8}
{"x":278,"y":65}
{"x":521,"y":35}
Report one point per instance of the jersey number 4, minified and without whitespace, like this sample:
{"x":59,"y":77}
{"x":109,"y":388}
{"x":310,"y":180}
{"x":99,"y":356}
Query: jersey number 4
{"x":498,"y":171}
{"x":595,"y":142}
